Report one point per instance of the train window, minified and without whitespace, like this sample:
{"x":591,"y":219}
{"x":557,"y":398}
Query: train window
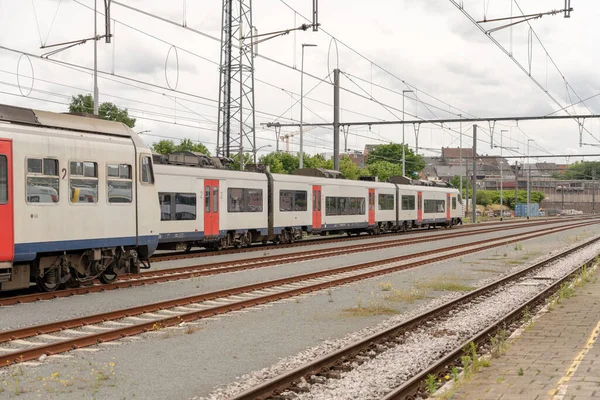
{"x":434,"y":206}
{"x":314,"y":200}
{"x":293,"y":200}
{"x":454,"y":203}
{"x":344,"y":205}
{"x":119,"y":182}
{"x":386,"y":202}
{"x":408,"y":202}
{"x":185,"y":206}
{"x":164,"y":199}
{"x":42,"y":180}
{"x":34,"y":165}
{"x":3,"y":179}
{"x":83,"y":182}
{"x":319,"y":199}
{"x":147,"y":172}
{"x":177,"y":206}
{"x":207,"y":199}
{"x":215,"y":199}
{"x":244,"y":200}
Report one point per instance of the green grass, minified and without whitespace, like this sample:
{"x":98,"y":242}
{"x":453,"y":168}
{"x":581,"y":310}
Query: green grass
{"x":405,"y":296}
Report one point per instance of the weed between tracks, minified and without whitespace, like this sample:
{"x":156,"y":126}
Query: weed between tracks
{"x":375,"y":306}
{"x":85,"y":377}
{"x":499,"y":342}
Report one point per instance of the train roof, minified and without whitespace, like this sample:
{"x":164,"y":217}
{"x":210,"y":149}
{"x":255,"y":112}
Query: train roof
{"x":87,"y":123}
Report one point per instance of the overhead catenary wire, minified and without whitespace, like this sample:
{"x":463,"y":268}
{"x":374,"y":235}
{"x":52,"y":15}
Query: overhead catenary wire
{"x":533,"y":79}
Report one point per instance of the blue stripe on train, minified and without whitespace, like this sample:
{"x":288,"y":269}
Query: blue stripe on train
{"x":28,"y":251}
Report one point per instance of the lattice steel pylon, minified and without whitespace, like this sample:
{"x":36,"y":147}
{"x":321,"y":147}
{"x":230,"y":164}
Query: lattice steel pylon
{"x":236,"y":132}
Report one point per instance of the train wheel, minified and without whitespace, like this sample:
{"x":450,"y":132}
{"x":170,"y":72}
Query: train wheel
{"x":48,"y":282}
{"x":108,"y":277}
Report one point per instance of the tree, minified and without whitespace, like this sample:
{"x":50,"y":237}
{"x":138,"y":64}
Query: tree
{"x":581,"y":170}
{"x":455,"y":181}
{"x":188,"y":145}
{"x":384,"y":170}
{"x":349,"y":169}
{"x":106,"y":110}
{"x":248,"y":159}
{"x":280,"y":163}
{"x":317,"y":161}
{"x":393,"y":153}
{"x":164,"y":146}
{"x":167,"y":146}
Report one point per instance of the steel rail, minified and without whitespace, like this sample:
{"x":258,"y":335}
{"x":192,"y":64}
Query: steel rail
{"x":323,"y":364}
{"x":179,"y":273}
{"x":417,"y":382}
{"x":311,"y":242}
{"x":74,"y":343}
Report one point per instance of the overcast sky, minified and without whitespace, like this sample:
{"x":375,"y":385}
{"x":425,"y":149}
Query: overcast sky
{"x":429,"y":44}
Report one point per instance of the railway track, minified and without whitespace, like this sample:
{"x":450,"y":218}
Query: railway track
{"x":345,"y":359}
{"x":30,"y":343}
{"x":173,"y":274}
{"x":309,"y":242}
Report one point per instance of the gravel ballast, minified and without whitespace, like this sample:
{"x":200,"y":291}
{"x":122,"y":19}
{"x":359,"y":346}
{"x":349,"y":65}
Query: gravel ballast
{"x":181,"y":364}
{"x":390,"y":369}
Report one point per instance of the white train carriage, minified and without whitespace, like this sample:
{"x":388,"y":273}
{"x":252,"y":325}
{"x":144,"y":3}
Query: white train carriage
{"x":211,"y":208}
{"x":435,"y":206}
{"x":294,"y":205}
{"x":77,"y":199}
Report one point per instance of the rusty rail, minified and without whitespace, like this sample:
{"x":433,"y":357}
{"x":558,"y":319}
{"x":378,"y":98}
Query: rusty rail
{"x":290,"y":379}
{"x":178,"y":273}
{"x":74,"y":343}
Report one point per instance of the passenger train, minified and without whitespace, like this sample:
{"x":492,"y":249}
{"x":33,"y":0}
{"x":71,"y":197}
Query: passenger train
{"x":83,"y":198}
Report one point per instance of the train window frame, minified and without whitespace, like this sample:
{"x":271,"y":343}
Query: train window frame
{"x":119,"y":178}
{"x":294,"y":195}
{"x":439,"y":206}
{"x":336,"y":206}
{"x":83,"y":177}
{"x":42,"y":175}
{"x":454,"y":203}
{"x":4,"y":194}
{"x":151,"y":166}
{"x":174,"y":197}
{"x":245,"y":206}
{"x":408,"y":206}
{"x":389,"y":199}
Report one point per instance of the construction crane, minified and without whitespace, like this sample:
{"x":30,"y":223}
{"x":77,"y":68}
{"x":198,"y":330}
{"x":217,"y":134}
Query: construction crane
{"x":286,"y":137}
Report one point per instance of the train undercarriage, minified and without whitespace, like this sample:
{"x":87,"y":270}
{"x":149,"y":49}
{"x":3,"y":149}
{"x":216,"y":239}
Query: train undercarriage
{"x":52,"y":271}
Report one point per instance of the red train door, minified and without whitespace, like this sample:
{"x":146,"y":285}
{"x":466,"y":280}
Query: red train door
{"x":448,"y":206}
{"x":211,"y":207}
{"x":371,"y":207}
{"x":7,"y":244}
{"x":419,"y":207}
{"x":316,"y":207}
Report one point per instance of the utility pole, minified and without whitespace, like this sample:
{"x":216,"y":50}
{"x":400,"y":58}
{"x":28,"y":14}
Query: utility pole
{"x":516,"y":184}
{"x":474,"y":174}
{"x":301,"y":154}
{"x":67,"y":45}
{"x":467,"y":191}
{"x":236,"y":81}
{"x":403,"y":142}
{"x":593,"y":191}
{"x":95,"y":61}
{"x":336,"y":119}
{"x":529,"y":176}
{"x":460,"y":152}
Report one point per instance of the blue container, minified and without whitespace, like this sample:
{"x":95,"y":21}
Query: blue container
{"x":521,"y":210}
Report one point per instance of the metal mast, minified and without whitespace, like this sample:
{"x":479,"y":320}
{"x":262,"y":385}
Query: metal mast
{"x":236,"y":132}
